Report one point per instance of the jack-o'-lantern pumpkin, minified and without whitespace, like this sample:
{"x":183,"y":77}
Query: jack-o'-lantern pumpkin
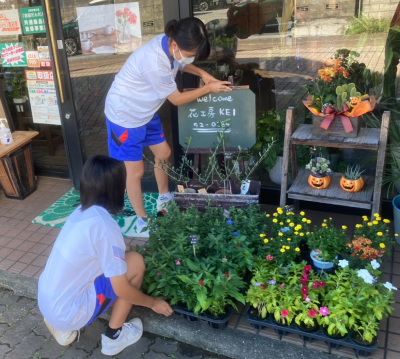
{"x":354,"y":101}
{"x":319,"y":182}
{"x":350,"y":185}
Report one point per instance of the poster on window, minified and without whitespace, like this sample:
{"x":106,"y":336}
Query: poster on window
{"x":9,"y":23}
{"x":33,"y":58}
{"x":43,"y":97}
{"x":13,"y":55}
{"x":108,"y":29}
{"x":32,"y":20}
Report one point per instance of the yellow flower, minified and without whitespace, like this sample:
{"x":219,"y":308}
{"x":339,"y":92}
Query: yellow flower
{"x":291,"y":224}
{"x":375,"y":222}
{"x":297,"y":249}
{"x":308,"y":233}
{"x":281,"y":223}
{"x":378,"y":218}
{"x":365,"y":218}
{"x":386,"y":221}
{"x":324,"y":220}
{"x":376,"y":214}
{"x":279,"y":209}
{"x":266,"y":240}
{"x":288,"y":221}
{"x":344,"y":227}
{"x":323,"y":224}
{"x":283,"y":250}
{"x":280,"y":234}
{"x":289,"y":239}
{"x":287,"y":247}
{"x":380,"y":234}
{"x":396,"y":235}
{"x":275,"y":220}
{"x":304,"y":220}
{"x":382,"y":245}
{"x":369,"y":223}
{"x":302,"y":213}
{"x":262,"y":235}
{"x":275,"y":214}
{"x":301,"y":234}
{"x":358,"y":225}
{"x":267,"y":215}
{"x":296,"y":233}
{"x":330,"y":218}
{"x":308,"y":222}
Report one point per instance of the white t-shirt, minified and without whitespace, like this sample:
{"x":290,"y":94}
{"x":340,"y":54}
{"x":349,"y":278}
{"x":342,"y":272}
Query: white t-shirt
{"x":89,"y":244}
{"x":142,"y":85}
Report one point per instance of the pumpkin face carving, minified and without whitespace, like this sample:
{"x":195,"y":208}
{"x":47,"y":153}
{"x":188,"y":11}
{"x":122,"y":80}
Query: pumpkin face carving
{"x":319,"y":182}
{"x":351,"y":185}
{"x":354,"y":101}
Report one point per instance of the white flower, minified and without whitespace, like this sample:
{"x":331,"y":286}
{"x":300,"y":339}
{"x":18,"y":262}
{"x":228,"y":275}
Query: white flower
{"x":364,"y":274}
{"x":375,"y":264}
{"x":343,"y":263}
{"x":389,"y":286}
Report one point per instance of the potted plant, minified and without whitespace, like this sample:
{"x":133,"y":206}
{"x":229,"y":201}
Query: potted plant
{"x":19,"y":88}
{"x":319,"y":177}
{"x":351,"y":180}
{"x":325,"y":243}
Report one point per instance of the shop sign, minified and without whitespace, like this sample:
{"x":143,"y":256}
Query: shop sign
{"x":9,"y":23}
{"x":33,"y":58}
{"x":13,"y":55}
{"x":32,"y":20}
{"x":43,"y":97}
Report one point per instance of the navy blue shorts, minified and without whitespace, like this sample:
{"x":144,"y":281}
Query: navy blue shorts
{"x":105,"y":296}
{"x":126,"y":144}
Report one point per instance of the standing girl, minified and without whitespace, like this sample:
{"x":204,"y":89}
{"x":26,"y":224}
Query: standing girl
{"x":145,"y":81}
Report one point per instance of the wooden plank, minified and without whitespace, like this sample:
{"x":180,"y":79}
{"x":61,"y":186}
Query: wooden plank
{"x":334,"y":194}
{"x":369,"y":139}
{"x":19,"y":138}
{"x":286,"y":147}
{"x":380,"y":163}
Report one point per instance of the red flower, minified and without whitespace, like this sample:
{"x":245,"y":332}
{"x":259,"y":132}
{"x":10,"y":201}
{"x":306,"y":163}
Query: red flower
{"x":328,"y":79}
{"x":284,"y":312}
{"x":304,"y":279}
{"x":201,"y":282}
{"x":304,"y":289}
{"x":318,"y":284}
{"x":132,"y":18}
{"x":226,"y":274}
{"x":119,"y":13}
{"x":307,"y":268}
{"x":312,"y":312}
{"x":263,"y":287}
{"x":269,"y":257}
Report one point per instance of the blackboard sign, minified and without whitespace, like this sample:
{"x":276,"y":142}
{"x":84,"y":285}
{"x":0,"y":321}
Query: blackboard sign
{"x":199,"y":120}
{"x":193,"y":238}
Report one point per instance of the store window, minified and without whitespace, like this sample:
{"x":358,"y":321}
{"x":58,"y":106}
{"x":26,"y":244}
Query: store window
{"x":277,"y":46}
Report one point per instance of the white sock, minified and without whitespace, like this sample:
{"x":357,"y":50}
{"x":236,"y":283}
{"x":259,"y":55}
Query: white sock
{"x":165,"y":197}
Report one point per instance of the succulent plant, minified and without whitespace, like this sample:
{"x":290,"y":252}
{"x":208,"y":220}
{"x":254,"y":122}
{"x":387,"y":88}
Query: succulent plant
{"x":344,"y":94}
{"x":353,"y":172}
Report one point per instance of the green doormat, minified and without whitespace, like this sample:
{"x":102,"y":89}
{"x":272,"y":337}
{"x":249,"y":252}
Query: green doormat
{"x":57,"y":214}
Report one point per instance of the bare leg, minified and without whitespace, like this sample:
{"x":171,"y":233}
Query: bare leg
{"x":135,"y":275}
{"x":161,"y":155}
{"x":134,"y":174}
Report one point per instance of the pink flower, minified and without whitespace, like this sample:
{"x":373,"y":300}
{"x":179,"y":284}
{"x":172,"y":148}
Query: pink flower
{"x":158,"y":273}
{"x":281,"y":286}
{"x":324,"y":311}
{"x":178,"y":263}
{"x":308,"y":300}
{"x":284,"y":313}
{"x":307,"y":268}
{"x":132,"y":18}
{"x":127,"y":11}
{"x":318,"y":284}
{"x":312,"y":312}
{"x":304,"y":279}
{"x":119,"y":13}
{"x":269,"y":257}
{"x":304,"y":289}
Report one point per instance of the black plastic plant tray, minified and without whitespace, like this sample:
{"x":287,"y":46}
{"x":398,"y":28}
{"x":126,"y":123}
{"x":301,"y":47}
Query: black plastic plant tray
{"x":359,"y":350}
{"x":213,"y":323}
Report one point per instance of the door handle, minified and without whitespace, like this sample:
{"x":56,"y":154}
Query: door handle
{"x":54,"y":47}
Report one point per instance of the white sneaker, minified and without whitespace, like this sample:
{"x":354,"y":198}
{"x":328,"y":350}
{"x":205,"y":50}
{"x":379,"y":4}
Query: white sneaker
{"x":63,"y":338}
{"x":142,"y":228}
{"x":163,"y":203}
{"x":131,"y":332}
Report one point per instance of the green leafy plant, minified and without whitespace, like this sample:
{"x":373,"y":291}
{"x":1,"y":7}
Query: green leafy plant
{"x":319,"y":166}
{"x":353,"y":172}
{"x":367,"y":25}
{"x":329,"y":240}
{"x":18,"y":84}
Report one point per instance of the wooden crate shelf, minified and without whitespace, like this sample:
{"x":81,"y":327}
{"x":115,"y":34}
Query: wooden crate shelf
{"x":368,"y":139}
{"x":334,"y":194}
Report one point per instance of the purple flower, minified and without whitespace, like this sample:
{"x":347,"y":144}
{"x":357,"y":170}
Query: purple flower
{"x":158,"y":273}
{"x":272,"y":282}
{"x":256,"y":284}
{"x":229,"y":221}
{"x":178,"y":263}
{"x":236,"y":233}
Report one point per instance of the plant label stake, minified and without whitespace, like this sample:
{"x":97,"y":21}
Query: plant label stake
{"x":202,"y":190}
{"x":193,"y":241}
{"x":227,"y":214}
{"x":180,"y":188}
{"x":289,"y":209}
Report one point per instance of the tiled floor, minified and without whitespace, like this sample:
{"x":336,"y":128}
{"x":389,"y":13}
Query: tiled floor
{"x":25,"y":247}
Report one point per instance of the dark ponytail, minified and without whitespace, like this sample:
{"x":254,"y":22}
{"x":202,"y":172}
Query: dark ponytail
{"x":190,"y":34}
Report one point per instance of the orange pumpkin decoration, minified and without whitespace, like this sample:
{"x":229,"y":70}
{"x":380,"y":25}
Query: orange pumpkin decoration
{"x":354,"y":101}
{"x":319,"y":182}
{"x":351,"y":185}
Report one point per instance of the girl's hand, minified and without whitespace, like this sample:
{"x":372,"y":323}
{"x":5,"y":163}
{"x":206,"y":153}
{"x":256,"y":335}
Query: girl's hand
{"x":207,"y":78}
{"x":219,"y":86}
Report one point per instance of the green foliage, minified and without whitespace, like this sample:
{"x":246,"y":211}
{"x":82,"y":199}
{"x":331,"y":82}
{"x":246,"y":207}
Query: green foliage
{"x":353,"y":172}
{"x":319,"y":166}
{"x":328,"y":239}
{"x":18,"y":84}
{"x":367,"y":25}
{"x":344,"y":94}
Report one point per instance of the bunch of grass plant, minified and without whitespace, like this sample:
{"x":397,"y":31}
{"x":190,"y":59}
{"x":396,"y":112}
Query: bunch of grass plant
{"x":353,"y":172}
{"x":367,"y":25}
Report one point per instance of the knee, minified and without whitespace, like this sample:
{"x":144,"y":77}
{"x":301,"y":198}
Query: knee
{"x":135,"y":174}
{"x":135,"y":262}
{"x":166,"y":154}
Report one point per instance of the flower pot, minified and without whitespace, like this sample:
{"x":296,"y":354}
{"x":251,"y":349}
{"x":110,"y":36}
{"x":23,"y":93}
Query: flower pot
{"x":280,"y":331}
{"x":319,"y":182}
{"x":318,"y":263}
{"x":369,"y":347}
{"x":336,"y":128}
{"x":275,"y":174}
{"x":396,"y":216}
{"x":219,"y":322}
{"x":351,"y":185}
{"x":255,"y":320}
{"x":306,"y":329}
{"x":335,"y":337}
